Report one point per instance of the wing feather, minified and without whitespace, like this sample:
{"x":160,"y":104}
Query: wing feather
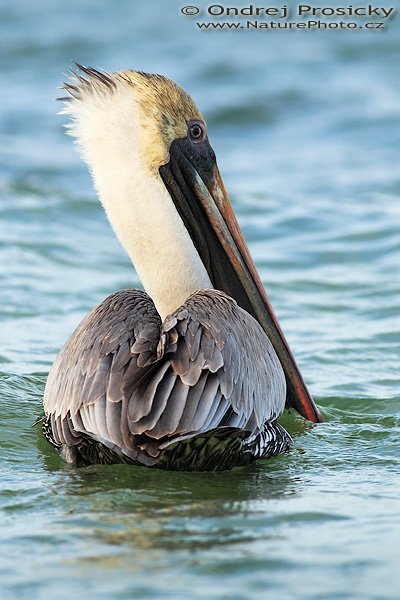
{"x":142,"y":397}
{"x":136,"y":384}
{"x":204,"y":407}
{"x":161,"y":398}
{"x":196,"y":392}
{"x":100,"y":417}
{"x":113,"y":420}
{"x":169,"y":420}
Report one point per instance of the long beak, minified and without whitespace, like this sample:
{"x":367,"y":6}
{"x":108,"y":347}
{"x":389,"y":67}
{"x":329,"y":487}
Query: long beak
{"x":216,"y":204}
{"x":209,"y":217}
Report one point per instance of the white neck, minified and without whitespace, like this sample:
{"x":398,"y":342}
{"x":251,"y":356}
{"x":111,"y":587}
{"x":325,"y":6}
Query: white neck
{"x":148,"y":226}
{"x":110,"y":136}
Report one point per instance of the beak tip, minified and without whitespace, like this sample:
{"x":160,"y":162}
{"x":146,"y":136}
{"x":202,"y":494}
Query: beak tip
{"x":312,"y":412}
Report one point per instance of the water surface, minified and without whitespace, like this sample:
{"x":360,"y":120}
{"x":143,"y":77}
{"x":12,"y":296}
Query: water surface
{"x":305,"y":127}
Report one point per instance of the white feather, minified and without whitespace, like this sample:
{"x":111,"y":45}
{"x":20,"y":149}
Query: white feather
{"x":109,"y":127}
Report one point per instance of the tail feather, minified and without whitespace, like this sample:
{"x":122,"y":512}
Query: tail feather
{"x":273,"y":440}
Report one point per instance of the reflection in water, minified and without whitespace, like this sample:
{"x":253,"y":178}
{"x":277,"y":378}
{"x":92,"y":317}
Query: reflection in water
{"x":150,"y":508}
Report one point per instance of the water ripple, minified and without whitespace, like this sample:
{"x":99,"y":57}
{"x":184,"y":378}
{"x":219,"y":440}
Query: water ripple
{"x":306,"y":135}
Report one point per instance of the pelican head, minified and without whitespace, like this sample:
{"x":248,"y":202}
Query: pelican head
{"x":147,"y":147}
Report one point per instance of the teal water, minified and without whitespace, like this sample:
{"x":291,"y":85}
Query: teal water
{"x":306,"y":129}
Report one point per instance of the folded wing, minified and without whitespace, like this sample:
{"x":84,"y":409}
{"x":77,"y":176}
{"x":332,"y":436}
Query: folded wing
{"x":139,"y":386}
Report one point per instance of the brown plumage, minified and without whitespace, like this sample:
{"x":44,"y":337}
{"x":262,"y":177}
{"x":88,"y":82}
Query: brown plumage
{"x":200,"y":385}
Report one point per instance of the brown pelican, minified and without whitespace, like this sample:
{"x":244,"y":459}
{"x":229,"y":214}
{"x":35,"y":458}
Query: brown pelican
{"x":194,"y":373}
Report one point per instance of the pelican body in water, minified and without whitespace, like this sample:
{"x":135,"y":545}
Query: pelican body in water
{"x":193,"y":373}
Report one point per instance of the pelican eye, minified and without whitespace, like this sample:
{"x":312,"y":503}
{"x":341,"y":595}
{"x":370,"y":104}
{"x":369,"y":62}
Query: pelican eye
{"x":197,"y":132}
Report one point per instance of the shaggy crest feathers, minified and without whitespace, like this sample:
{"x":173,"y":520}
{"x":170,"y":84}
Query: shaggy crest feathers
{"x":161,"y":107}
{"x":95,"y":81}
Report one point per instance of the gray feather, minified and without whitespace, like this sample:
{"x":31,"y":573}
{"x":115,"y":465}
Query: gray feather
{"x":135,"y":384}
